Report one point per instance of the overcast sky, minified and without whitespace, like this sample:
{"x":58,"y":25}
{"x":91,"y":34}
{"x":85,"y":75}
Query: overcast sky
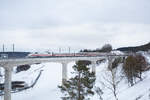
{"x":34,"y":25}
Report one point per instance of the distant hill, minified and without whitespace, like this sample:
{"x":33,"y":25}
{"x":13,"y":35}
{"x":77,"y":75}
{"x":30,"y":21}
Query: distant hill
{"x":145,"y":47}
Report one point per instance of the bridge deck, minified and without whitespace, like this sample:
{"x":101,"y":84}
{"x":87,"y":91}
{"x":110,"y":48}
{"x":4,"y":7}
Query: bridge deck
{"x":22,"y":61}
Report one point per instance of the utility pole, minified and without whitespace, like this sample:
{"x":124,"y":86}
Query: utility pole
{"x":69,"y":49}
{"x":13,"y":47}
{"x":59,"y":50}
{"x":3,"y":48}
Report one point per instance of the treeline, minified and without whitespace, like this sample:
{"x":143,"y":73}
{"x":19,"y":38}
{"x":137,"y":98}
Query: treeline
{"x":105,"y":48}
{"x":145,"y":47}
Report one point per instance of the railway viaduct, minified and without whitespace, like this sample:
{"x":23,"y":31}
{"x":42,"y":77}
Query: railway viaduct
{"x":8,"y":65}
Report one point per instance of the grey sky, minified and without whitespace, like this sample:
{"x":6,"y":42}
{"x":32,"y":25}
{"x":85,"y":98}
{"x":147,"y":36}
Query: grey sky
{"x":50,"y":24}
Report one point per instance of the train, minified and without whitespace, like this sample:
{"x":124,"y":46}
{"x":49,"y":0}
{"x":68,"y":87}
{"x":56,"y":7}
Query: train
{"x":80,"y":54}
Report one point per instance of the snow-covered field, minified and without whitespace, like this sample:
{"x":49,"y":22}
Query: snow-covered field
{"x":47,"y":85}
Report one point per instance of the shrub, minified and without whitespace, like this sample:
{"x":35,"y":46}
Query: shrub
{"x":22,"y":68}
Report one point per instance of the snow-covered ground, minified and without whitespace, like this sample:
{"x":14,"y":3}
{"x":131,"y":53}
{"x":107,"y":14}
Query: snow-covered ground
{"x":47,"y":85}
{"x":140,"y":91}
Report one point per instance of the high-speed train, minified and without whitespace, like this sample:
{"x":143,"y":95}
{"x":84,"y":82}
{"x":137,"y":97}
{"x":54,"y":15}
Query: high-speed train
{"x":81,"y":54}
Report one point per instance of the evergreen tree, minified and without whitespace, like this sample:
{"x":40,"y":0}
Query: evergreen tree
{"x":80,"y":86}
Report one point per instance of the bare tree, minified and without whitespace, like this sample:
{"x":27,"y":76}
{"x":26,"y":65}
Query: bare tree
{"x":133,"y":67}
{"x":111,"y":80}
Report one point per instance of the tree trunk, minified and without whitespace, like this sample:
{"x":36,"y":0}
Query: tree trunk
{"x":79,"y":87}
{"x":115,"y":95}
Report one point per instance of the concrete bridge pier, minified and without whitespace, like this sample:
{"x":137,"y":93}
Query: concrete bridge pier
{"x":7,"y":85}
{"x":64,"y":72}
{"x":93,"y":66}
